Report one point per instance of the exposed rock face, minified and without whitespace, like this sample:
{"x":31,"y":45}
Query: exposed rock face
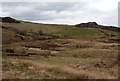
{"x":95,"y":25}
{"x":89,"y":24}
{"x":8,"y":20}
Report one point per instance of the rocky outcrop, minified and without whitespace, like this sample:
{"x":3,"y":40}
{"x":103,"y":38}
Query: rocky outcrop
{"x":89,"y":24}
{"x":95,"y":25}
{"x":8,"y":20}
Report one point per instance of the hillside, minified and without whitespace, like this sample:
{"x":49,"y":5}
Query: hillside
{"x":37,"y":51}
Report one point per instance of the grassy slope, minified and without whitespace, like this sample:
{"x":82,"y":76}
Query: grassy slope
{"x":51,"y":28}
{"x":56,"y":29}
{"x":87,"y":54}
{"x":22,"y":72}
{"x":36,"y":27}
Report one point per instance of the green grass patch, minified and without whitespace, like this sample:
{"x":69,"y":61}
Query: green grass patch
{"x":78,"y":31}
{"x":112,"y":32}
{"x":7,"y":66}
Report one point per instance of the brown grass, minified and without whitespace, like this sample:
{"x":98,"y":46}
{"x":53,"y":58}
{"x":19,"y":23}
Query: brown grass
{"x":36,"y":27}
{"x":81,"y":74}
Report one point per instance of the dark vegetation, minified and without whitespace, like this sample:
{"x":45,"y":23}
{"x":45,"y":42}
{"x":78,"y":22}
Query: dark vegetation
{"x":11,"y":35}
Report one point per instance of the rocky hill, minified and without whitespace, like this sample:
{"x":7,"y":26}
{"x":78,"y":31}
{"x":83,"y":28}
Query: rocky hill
{"x":8,"y":20}
{"x":95,"y":25}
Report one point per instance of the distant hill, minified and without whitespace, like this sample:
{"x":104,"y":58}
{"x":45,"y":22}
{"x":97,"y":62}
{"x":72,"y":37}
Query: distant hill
{"x":81,"y":25}
{"x":8,"y":20}
{"x":95,"y":25}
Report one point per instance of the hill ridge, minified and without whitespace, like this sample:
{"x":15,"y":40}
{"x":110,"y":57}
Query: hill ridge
{"x":95,"y":25}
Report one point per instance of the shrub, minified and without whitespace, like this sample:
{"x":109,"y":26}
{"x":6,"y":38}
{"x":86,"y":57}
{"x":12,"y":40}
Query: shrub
{"x":23,"y":32}
{"x":53,"y":36}
{"x":31,"y":30}
{"x":40,"y":32}
{"x":9,"y":51}
{"x":48,"y":41}
{"x":75,"y":55}
{"x":78,"y":46}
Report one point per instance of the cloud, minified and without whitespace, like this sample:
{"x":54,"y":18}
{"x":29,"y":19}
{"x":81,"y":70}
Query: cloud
{"x":119,"y":14}
{"x":101,"y":11}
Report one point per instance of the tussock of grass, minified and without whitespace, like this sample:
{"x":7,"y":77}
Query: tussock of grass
{"x":79,"y":74}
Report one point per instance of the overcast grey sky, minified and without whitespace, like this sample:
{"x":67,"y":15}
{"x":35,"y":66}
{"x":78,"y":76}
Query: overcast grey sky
{"x":101,"y":11}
